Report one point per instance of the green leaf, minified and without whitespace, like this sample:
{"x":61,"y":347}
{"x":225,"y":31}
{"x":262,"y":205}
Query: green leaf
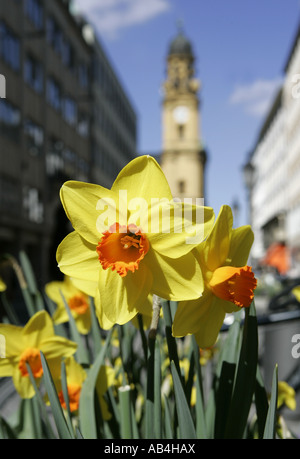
{"x":223,"y":398}
{"x":201,"y":428}
{"x":31,"y":282}
{"x":157,"y":392}
{"x":261,"y":403}
{"x":125,"y":412}
{"x":43,"y":412}
{"x":95,"y":330}
{"x":168,"y":420}
{"x":81,"y":353}
{"x":66,"y":394}
{"x":270,"y":427}
{"x":87,"y":415}
{"x":245,"y":378}
{"x":59,"y":418}
{"x":185,"y":421}
{"x":149,"y":431}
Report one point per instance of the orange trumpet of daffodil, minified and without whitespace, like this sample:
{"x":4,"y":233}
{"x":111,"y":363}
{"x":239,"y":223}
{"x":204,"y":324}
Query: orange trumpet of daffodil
{"x":229,"y":282}
{"x":23,"y":346}
{"x":122,"y":243}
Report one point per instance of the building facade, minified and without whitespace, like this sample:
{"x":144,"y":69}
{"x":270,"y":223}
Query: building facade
{"x":65,"y":116}
{"x":183,"y":157}
{"x":275,"y":162}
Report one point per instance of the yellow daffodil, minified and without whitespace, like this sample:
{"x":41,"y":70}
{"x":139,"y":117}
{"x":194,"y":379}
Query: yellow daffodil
{"x":229,"y":284}
{"x":124,"y":241}
{"x":296,"y":292}
{"x":23,"y":346}
{"x":75,"y":375}
{"x":77,"y":301}
{"x":2,"y":285}
{"x":286,"y":395}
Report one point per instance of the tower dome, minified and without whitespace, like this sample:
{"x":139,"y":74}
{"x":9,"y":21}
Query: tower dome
{"x":180,"y":44}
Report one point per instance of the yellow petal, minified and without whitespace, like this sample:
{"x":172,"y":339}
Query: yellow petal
{"x":3,"y":286}
{"x":23,"y":385}
{"x":75,"y":372}
{"x":38,"y":329}
{"x":210,"y":325}
{"x":240,"y":245}
{"x":185,"y":227}
{"x":84,"y":204}
{"x":13,"y":340}
{"x":189,"y":314}
{"x":175,"y":279}
{"x":77,"y":258}
{"x":296,"y":292}
{"x":121,"y":296}
{"x":57,"y":346}
{"x":86,"y":286}
{"x":216,"y":247}
{"x":143,"y":178}
{"x":83,"y":322}
{"x":104,"y":322}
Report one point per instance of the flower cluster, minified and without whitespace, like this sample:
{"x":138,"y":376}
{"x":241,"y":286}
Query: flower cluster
{"x":184,"y":256}
{"x":131,"y":246}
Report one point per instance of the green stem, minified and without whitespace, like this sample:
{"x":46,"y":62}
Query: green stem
{"x":172,"y":346}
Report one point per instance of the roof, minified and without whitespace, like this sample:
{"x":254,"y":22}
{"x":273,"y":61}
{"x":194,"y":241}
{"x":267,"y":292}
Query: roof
{"x":180,"y":45}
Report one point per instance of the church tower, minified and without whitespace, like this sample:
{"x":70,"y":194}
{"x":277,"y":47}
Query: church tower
{"x":183,"y":158}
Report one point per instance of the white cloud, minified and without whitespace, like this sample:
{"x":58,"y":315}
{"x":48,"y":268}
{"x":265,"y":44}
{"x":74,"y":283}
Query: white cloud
{"x":255,"y":98}
{"x":110,"y":16}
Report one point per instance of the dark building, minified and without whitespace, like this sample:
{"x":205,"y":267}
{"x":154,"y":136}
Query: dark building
{"x":65,"y":116}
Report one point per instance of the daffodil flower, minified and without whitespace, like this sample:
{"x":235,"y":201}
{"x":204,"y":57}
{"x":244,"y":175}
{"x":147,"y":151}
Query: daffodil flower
{"x":76,"y":375}
{"x":122,"y":243}
{"x":229,"y":283}
{"x":286,"y":396}
{"x":77,"y":301}
{"x":23,"y":346}
{"x":2,"y":285}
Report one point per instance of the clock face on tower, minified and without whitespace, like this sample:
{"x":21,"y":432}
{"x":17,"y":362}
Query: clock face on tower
{"x":181,"y":114}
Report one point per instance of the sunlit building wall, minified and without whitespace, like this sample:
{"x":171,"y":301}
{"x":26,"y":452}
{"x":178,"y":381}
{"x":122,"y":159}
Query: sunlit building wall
{"x":275,"y":159}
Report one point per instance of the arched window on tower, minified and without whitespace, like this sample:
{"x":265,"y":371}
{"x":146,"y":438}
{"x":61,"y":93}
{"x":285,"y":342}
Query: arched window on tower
{"x":181,"y":186}
{"x":181,"y":131}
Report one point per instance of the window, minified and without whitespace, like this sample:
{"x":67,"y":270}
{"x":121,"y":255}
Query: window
{"x":10,"y":201}
{"x":33,"y":74}
{"x":83,"y":75}
{"x":33,"y":205}
{"x":54,"y":94}
{"x":68,"y":55}
{"x":69,"y":110}
{"x":10,"y":118}
{"x":35,"y":13}
{"x":83,"y":125}
{"x":181,"y":131}
{"x":9,"y":47}
{"x":54,"y":35}
{"x":35,"y":137}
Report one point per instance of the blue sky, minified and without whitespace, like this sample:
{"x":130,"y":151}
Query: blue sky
{"x":240,"y":47}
